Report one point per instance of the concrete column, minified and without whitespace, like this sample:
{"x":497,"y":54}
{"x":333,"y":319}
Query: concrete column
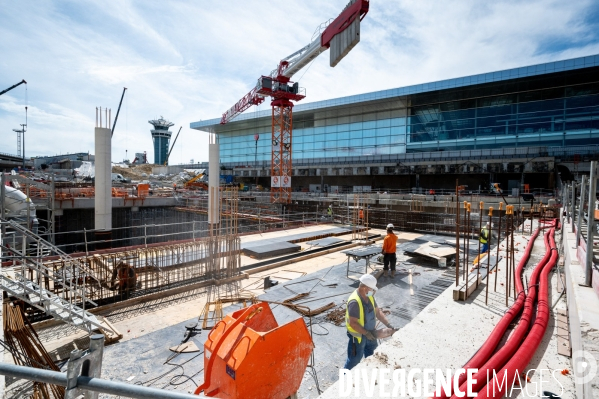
{"x":591,"y":223}
{"x":103,"y":179}
{"x":213,"y":180}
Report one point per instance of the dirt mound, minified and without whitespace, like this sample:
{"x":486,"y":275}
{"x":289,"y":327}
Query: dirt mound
{"x":134,"y":171}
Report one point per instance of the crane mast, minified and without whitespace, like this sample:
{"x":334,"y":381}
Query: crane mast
{"x":342,"y":33}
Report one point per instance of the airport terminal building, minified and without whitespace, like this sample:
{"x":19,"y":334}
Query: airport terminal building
{"x":508,"y":126}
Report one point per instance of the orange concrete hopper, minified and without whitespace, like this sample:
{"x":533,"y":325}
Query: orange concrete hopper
{"x":248,"y":355}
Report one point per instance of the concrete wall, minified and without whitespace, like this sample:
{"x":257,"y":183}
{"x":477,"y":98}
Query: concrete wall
{"x":583,"y":313}
{"x":166,"y":170}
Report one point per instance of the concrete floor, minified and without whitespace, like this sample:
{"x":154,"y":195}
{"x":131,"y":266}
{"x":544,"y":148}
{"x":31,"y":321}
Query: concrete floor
{"x":149,"y":329}
{"x":436,"y":331}
{"x":447,"y":333}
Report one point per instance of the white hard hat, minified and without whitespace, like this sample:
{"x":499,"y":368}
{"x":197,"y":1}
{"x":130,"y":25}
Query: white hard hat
{"x":390,"y":226}
{"x":488,"y":224}
{"x":369,"y":280}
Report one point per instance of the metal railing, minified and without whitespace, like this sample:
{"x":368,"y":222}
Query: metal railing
{"x":91,"y":384}
{"x":527,"y":152}
{"x":151,"y":233}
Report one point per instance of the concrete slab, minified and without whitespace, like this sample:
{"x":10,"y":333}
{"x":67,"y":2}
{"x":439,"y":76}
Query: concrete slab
{"x":144,"y":357}
{"x":446,"y":333}
{"x":323,"y":242}
{"x":271,"y":250}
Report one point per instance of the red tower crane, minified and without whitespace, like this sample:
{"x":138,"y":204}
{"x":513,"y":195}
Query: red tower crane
{"x":341,"y":35}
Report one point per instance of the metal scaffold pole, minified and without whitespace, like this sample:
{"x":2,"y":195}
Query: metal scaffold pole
{"x":457,"y":234}
{"x":591,"y":224}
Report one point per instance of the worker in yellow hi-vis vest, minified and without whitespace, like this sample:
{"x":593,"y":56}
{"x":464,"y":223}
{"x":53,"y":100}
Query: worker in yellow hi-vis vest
{"x":484,"y":238}
{"x":360,"y":321}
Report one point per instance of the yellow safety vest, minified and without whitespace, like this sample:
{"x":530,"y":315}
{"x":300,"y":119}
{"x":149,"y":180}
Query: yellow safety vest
{"x":484,"y":235}
{"x":355,"y":296}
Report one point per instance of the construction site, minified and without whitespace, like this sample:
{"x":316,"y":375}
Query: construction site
{"x":475,"y":267}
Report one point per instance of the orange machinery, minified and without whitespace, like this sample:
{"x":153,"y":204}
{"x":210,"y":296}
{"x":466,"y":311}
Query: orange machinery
{"x":143,"y":189}
{"x":248,"y":355}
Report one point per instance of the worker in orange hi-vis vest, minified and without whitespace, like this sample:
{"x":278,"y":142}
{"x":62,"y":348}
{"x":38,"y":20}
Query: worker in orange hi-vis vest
{"x":361,"y":216}
{"x":389,"y":247}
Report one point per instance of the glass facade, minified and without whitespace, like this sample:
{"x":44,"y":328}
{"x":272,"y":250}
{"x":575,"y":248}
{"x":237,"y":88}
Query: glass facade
{"x":161,"y":143}
{"x":554,"y":105}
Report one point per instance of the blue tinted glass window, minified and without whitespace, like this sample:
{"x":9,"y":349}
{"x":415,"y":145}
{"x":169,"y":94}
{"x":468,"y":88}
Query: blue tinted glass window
{"x":356,"y":126}
{"x":383,"y":123}
{"x":369,"y":125}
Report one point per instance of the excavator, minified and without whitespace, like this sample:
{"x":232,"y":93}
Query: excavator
{"x":195,"y":182}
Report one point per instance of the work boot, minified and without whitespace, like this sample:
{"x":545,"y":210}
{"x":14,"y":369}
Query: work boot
{"x":392,"y":273}
{"x":385,"y":273}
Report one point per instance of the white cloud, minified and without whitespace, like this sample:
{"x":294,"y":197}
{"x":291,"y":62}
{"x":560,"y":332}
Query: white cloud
{"x":190,"y":61}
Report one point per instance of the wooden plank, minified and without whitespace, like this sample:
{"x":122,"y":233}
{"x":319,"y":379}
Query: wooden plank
{"x":461,"y":294}
{"x":563,"y":334}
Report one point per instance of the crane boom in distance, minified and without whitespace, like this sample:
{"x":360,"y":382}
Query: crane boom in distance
{"x":12,"y":87}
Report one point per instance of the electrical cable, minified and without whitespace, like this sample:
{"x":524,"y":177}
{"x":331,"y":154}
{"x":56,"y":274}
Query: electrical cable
{"x":174,"y":381}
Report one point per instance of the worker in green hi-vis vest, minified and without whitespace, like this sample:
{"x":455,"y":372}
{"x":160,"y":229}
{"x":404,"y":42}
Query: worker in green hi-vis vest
{"x":360,"y":321}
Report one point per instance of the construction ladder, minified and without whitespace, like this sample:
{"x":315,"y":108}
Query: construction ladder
{"x":73,"y":278}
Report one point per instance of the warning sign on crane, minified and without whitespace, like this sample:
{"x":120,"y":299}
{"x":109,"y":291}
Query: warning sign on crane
{"x":286,"y":181}
{"x":280,"y":181}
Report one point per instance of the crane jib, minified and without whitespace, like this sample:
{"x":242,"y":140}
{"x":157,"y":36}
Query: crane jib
{"x":277,"y":86}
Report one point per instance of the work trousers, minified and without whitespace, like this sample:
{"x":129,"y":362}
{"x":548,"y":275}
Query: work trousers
{"x":484,"y":247}
{"x":389,"y":260}
{"x":355,"y":351}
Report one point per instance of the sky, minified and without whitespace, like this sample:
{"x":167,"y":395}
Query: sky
{"x":192,"y":60}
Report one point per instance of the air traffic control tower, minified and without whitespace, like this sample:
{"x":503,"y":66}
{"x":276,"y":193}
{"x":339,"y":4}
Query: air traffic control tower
{"x":161,"y":136}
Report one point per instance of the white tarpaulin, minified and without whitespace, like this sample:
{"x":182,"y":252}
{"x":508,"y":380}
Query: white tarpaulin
{"x":86,"y":169}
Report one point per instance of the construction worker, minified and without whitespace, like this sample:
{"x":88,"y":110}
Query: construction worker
{"x":389,"y":247}
{"x":360,"y":321}
{"x":123,"y":278}
{"x":330,"y":211}
{"x":361,"y":216}
{"x":484,"y":238}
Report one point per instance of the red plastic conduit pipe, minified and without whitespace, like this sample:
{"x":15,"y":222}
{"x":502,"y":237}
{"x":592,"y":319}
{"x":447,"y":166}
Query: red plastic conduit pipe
{"x":515,"y":368}
{"x":486,"y":350}
{"x":505,"y":353}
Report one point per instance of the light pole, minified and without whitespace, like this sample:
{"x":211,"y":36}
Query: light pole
{"x":22,"y":131}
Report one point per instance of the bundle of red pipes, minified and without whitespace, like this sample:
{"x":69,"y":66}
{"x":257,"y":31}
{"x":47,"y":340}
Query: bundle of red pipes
{"x":513,"y":358}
